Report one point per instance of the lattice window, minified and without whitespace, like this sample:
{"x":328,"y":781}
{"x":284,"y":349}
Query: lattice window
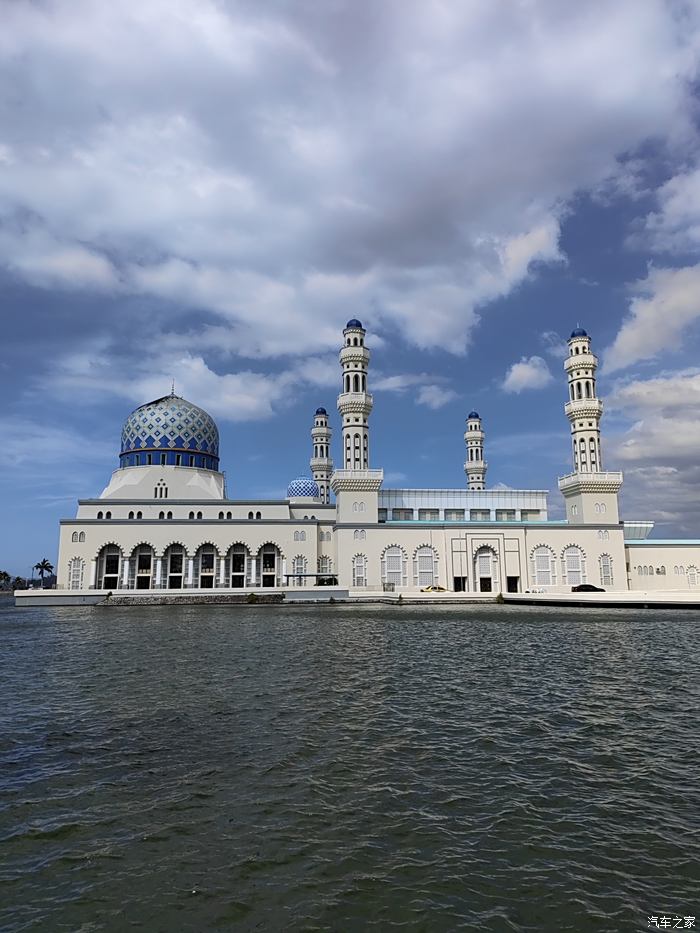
{"x":425,"y":567}
{"x":606,"y":570}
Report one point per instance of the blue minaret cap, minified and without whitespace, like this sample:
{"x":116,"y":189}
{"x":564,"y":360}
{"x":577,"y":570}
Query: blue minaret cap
{"x":321,"y":411}
{"x":353,"y":322}
{"x":578,"y":332}
{"x":473,"y":414}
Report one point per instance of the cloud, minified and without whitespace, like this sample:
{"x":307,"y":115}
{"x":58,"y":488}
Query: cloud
{"x":433,"y":396}
{"x":664,"y":305}
{"x":675,"y":227}
{"x":554,"y":345}
{"x":658,"y":446}
{"x":268,"y":172}
{"x":530,"y":373}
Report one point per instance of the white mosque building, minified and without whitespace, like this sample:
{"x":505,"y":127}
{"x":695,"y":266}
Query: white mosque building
{"x":164,"y":522}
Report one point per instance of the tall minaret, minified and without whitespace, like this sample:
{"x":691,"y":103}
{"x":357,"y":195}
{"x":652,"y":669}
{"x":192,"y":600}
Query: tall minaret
{"x":590,"y":492}
{"x":354,"y":402}
{"x":475,"y":465}
{"x":321,"y":462}
{"x":584,"y":409}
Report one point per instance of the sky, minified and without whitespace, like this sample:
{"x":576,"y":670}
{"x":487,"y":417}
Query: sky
{"x":207,"y":190}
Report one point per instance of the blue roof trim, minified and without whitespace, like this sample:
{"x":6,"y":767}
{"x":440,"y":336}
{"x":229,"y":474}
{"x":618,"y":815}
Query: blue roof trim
{"x":650,"y":541}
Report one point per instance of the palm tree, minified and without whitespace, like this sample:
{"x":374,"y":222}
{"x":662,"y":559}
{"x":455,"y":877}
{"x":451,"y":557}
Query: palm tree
{"x":5,"y":580}
{"x":44,"y":566}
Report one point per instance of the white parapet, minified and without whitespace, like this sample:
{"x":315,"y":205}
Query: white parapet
{"x":354,"y":480}
{"x":604,"y":481}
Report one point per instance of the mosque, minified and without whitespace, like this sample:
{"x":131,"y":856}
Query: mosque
{"x":165,"y":523}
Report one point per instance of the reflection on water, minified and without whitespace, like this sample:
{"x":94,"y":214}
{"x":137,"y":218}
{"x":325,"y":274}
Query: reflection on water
{"x":292,"y":768}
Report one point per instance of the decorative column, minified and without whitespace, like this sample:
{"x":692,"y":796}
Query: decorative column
{"x":253,"y":570}
{"x":190,"y":571}
{"x":159,"y":570}
{"x":222,"y":571}
{"x":285,"y":580}
{"x":125,"y":573}
{"x":93,"y":574}
{"x":354,"y":402}
{"x":321,"y":462}
{"x":475,"y":465}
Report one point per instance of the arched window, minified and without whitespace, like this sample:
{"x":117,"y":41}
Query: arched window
{"x":139,"y":516}
{"x":425,"y":566}
{"x":191,"y":516}
{"x":324,"y":565}
{"x":588,"y":389}
{"x":603,"y":535}
{"x":76,"y":572}
{"x":161,"y":516}
{"x":296,"y":535}
{"x":651,"y":570}
{"x":692,"y":576}
{"x":74,"y":537}
{"x":645,"y":571}
{"x":199,"y":516}
{"x":394,"y":566}
{"x":170,"y":515}
{"x":640,"y":570}
{"x":359,"y":570}
{"x":108,"y":515}
{"x":221,"y":516}
{"x":108,"y":567}
{"x":662,"y":570}
{"x":131,"y":516}
{"x":574,"y":566}
{"x":229,"y":516}
{"x":356,"y":383}
{"x":81,"y":537}
{"x":543,"y":566}
{"x":606,"y":570}
{"x":359,"y":534}
{"x":299,"y":569}
{"x":258,"y":516}
{"x":250,"y":516}
{"x":99,"y":516}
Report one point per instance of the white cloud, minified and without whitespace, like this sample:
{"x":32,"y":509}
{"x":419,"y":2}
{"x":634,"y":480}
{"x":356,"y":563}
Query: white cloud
{"x":658,"y":448}
{"x":530,"y":373}
{"x":554,"y":345}
{"x":434,"y":396}
{"x":665,"y":303}
{"x":222,"y":157}
{"x":675,"y":227}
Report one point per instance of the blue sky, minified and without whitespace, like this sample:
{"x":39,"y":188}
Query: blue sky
{"x":208,"y":191}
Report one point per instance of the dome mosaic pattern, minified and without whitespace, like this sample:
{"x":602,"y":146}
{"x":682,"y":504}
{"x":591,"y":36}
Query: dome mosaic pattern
{"x":302,"y":486}
{"x":170,"y":423}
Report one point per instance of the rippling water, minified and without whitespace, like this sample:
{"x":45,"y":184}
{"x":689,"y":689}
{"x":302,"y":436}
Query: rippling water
{"x":266,"y":768}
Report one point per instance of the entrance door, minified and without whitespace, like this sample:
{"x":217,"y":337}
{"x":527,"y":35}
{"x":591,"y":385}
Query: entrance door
{"x":484,"y":570}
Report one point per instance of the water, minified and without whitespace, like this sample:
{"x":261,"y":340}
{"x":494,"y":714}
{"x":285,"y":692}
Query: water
{"x":347,"y":769}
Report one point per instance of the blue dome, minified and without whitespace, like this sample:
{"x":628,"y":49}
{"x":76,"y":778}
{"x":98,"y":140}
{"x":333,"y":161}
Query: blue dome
{"x":302,"y":486}
{"x":578,"y":332}
{"x":321,"y":411}
{"x":473,"y":414}
{"x":353,"y":322}
{"x":170,"y":431}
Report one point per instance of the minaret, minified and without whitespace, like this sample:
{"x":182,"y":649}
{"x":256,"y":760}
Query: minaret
{"x":475,"y":465}
{"x":321,"y":462}
{"x":354,"y":402}
{"x":590,"y":492}
{"x":584,"y":409}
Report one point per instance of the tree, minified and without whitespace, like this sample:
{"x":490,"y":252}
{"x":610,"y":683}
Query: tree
{"x":19,"y":583}
{"x":44,"y":566}
{"x":5,"y":580}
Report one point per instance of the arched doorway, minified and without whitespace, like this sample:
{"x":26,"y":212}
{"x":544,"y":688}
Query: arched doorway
{"x":109,"y":565}
{"x":239,"y":565}
{"x":269,"y":563}
{"x":205,"y":567}
{"x":486,"y":570}
{"x":174,"y":565}
{"x":141,"y":567}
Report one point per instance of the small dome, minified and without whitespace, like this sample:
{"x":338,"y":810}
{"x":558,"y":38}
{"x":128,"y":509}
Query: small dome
{"x":321,"y":411}
{"x":302,"y":486}
{"x":473,"y":414}
{"x":353,"y":322}
{"x":170,"y":426}
{"x":578,"y":332}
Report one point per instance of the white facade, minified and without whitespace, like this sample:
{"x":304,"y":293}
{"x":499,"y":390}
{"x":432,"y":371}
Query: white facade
{"x":163,"y":525}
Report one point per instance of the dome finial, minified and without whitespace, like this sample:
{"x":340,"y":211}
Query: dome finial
{"x":172,"y":389}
